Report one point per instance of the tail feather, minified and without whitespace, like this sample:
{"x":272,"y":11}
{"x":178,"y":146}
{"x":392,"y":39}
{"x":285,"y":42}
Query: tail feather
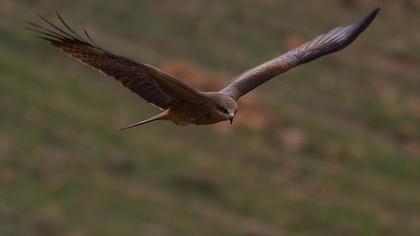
{"x":160,"y":116}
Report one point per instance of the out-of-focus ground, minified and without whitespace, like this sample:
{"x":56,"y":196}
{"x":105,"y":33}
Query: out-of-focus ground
{"x":330,"y":148}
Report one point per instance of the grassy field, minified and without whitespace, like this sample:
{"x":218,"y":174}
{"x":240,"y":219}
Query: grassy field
{"x":330,"y":148}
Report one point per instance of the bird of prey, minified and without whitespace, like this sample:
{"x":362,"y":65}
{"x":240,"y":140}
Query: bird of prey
{"x":179,"y":102}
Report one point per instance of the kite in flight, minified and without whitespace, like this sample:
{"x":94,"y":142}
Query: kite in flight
{"x":179,"y":102}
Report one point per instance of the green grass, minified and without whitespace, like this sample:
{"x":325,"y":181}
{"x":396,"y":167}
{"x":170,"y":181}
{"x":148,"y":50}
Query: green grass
{"x":64,"y":170}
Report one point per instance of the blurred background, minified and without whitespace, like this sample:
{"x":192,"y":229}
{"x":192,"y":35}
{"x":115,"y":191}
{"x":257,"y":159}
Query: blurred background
{"x":330,"y":148}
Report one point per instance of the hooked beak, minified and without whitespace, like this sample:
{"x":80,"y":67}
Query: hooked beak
{"x":231,"y":116}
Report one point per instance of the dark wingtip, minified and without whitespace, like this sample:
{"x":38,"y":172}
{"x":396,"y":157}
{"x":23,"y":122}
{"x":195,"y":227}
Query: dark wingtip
{"x":368,"y":19}
{"x":363,"y":24}
{"x":373,"y":14}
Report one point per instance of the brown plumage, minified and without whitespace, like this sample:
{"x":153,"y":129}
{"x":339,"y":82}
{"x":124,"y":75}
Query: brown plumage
{"x":181,"y":103}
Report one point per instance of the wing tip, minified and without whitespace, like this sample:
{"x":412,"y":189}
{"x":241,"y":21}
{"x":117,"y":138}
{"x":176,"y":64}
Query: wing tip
{"x":373,"y":14}
{"x":58,"y":34}
{"x":358,"y":28}
{"x":369,"y":18}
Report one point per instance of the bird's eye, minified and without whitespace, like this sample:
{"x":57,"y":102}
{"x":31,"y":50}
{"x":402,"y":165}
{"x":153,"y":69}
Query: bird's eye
{"x":222,"y":109}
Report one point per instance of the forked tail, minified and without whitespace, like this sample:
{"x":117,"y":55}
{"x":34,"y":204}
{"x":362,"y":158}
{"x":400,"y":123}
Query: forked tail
{"x":160,"y":116}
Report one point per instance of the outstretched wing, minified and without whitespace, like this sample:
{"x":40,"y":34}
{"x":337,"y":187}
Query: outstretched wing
{"x":150,"y":83}
{"x":330,"y":42}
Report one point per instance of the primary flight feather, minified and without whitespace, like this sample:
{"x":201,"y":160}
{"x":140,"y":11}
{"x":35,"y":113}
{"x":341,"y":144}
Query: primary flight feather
{"x":181,"y":103}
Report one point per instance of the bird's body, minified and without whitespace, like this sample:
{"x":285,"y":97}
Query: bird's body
{"x":179,"y":102}
{"x":204,"y":113}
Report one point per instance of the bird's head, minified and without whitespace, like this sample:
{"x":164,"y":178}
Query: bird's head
{"x":226,"y":108}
